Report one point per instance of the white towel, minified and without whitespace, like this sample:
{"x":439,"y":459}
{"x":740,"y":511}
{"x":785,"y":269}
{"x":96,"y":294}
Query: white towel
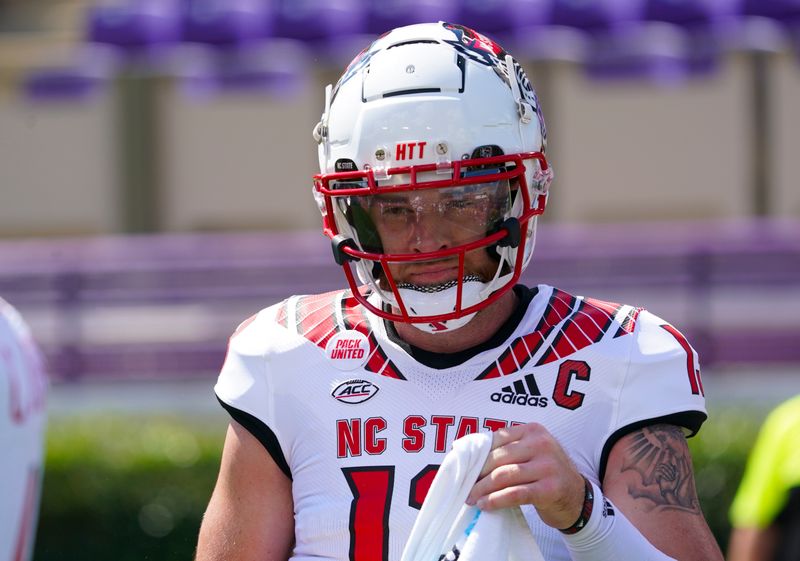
{"x":448,"y":529}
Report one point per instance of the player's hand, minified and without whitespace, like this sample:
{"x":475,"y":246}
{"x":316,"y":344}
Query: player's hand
{"x":528,"y":466}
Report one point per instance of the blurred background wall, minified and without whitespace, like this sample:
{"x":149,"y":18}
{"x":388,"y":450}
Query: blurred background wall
{"x":155,"y":165}
{"x":149,"y":136}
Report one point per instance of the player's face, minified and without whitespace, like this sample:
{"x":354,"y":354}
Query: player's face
{"x":437,"y":219}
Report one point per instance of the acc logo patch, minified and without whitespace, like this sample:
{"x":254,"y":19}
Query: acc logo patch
{"x":354,"y":391}
{"x":348,"y":349}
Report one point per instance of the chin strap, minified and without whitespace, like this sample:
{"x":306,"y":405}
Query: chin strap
{"x":429,"y":303}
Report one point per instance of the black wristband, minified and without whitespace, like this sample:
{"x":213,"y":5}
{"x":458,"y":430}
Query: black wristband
{"x":586,"y":511}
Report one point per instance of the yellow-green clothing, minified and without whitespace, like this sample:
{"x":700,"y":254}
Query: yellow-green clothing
{"x":773,"y":469}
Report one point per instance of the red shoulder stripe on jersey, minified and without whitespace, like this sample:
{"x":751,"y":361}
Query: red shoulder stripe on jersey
{"x":525,"y":347}
{"x":611,"y":308}
{"x":354,"y":318}
{"x":587,"y":325}
{"x":629,"y":323}
{"x":491,"y":371}
{"x":520,"y":351}
{"x":383,"y":365}
{"x":595,"y":319}
{"x":532,"y":341}
{"x":241,"y":327}
{"x":316,"y":320}
{"x":282,"y":316}
{"x":559,"y":348}
{"x":558,"y":308}
{"x":353,"y":314}
{"x":507,"y":363}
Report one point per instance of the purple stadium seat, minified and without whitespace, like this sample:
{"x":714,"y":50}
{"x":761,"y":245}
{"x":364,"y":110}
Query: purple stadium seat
{"x":135,"y":24}
{"x":690,"y":13}
{"x":277,"y":67}
{"x":655,"y":52}
{"x":529,"y":13}
{"x":61,"y":84}
{"x":314,"y":20}
{"x":566,"y":29}
{"x":383,"y":15}
{"x":632,"y":39}
{"x":596,"y":15}
{"x":491,"y":17}
{"x":333,"y":29}
{"x":785,"y":11}
{"x":764,"y":25}
{"x":86,"y":77}
{"x":703,"y":22}
{"x":226,"y":22}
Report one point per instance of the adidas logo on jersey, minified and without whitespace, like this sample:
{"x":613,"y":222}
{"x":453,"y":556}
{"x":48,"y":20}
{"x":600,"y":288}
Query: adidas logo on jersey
{"x":521,"y":392}
{"x":608,"y":510}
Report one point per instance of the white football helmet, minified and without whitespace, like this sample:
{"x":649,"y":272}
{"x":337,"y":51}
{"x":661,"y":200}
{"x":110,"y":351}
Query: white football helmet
{"x":432,"y":173}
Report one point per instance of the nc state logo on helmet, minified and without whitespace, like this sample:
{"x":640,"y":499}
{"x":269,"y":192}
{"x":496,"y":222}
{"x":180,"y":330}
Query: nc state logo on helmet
{"x":432,"y":174}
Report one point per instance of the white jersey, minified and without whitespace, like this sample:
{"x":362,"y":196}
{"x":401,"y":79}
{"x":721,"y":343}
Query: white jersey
{"x":361,"y":426}
{"x":22,"y":422}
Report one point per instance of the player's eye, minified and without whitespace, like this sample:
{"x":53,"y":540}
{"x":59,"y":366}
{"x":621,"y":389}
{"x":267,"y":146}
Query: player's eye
{"x":459,"y":204}
{"x":396,"y":210}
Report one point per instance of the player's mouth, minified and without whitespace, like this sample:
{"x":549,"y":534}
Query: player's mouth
{"x":439,"y":286}
{"x":433,"y":274}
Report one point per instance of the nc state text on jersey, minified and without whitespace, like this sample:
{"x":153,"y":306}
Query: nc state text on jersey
{"x":356,"y":436}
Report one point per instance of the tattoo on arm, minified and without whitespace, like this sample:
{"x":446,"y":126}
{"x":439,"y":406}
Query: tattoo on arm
{"x":660,"y":457}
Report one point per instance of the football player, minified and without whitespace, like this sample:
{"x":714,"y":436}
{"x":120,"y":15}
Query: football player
{"x":432,"y":175}
{"x":22,"y":422}
{"x":765,"y":513}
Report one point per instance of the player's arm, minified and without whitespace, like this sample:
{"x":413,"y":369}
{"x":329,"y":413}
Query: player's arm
{"x":250,"y":516}
{"x":649,"y":477}
{"x":752,"y":544}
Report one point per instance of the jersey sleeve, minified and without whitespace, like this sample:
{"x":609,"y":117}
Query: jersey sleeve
{"x":662,"y":383}
{"x":764,"y":489}
{"x":244,"y":387}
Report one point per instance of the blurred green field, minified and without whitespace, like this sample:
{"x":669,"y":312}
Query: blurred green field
{"x":134,"y":487}
{"x":126,"y":487}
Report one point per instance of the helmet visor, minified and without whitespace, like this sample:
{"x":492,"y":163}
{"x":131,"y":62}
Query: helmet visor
{"x":425,"y":220}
